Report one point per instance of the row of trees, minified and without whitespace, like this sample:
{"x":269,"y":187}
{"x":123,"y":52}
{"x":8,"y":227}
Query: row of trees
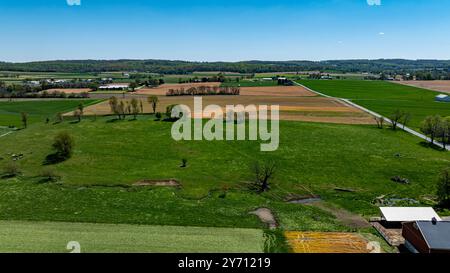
{"x":124,"y":108}
{"x":216,"y":78}
{"x":396,"y":118}
{"x":437,"y":128}
{"x":45,"y":95}
{"x":204,"y":91}
{"x":184,"y":67}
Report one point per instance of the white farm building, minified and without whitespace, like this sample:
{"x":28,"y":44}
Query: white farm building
{"x":443,"y":98}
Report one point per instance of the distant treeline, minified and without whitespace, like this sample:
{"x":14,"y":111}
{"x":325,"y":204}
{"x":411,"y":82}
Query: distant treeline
{"x":204,"y":91}
{"x":44,"y":95}
{"x":184,"y":67}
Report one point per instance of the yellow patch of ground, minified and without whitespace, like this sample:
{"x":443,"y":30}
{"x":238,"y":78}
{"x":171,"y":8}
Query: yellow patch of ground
{"x":326,"y":242}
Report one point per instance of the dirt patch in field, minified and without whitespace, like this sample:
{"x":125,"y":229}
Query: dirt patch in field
{"x":266,"y":216}
{"x":438,"y":86}
{"x":347,"y":218}
{"x":163,"y":89}
{"x":70,"y":90}
{"x":158,"y":183}
{"x":326,"y":242}
{"x":277,"y":91}
{"x":302,"y":199}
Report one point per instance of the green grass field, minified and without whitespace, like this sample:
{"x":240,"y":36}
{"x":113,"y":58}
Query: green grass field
{"x":53,"y":237}
{"x":37,"y":111}
{"x":312,"y":158}
{"x":384,"y":97}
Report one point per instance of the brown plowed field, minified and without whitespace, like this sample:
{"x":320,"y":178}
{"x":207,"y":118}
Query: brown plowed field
{"x":70,"y":90}
{"x":314,"y":109}
{"x":439,"y":86}
{"x":277,"y":91}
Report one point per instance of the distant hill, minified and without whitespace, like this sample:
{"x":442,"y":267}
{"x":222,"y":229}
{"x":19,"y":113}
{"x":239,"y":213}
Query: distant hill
{"x":183,"y":67}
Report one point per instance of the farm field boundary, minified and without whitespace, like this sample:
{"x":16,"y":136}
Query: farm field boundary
{"x":53,"y":237}
{"x":372,"y":113}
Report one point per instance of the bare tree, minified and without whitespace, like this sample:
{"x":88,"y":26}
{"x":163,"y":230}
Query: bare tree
{"x":380,"y":122}
{"x":77,"y":114}
{"x":24,"y":118}
{"x":153,"y":100}
{"x":444,"y":131}
{"x":114,"y":105}
{"x":59,"y":118}
{"x":432,"y":126}
{"x":122,"y":109}
{"x":406,"y":119}
{"x":81,"y":108}
{"x":263,"y":174}
{"x":135,"y":107}
{"x":395,"y":118}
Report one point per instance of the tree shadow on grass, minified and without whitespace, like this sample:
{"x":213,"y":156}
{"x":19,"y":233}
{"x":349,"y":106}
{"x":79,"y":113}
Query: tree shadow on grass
{"x":53,"y":159}
{"x":113,"y":120}
{"x":8,"y":176}
{"x":428,"y":145}
{"x":443,"y":205}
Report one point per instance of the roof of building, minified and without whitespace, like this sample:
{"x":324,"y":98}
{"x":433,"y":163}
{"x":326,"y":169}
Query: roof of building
{"x":437,"y":235}
{"x":408,"y":214}
{"x":112,"y":86}
{"x":441,"y":96}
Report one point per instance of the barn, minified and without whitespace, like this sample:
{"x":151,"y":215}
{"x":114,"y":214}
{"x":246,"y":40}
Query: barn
{"x":443,"y":98}
{"x":398,"y":215}
{"x":116,"y":87}
{"x":427,"y":237}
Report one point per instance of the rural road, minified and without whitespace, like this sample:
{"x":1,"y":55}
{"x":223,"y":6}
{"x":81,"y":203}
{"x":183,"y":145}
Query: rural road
{"x":372,"y":113}
{"x":5,"y":134}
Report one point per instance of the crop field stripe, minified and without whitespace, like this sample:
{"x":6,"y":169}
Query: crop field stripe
{"x":18,"y":236}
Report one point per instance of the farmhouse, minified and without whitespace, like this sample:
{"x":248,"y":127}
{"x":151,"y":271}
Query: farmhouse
{"x":443,"y":98}
{"x":427,"y":236}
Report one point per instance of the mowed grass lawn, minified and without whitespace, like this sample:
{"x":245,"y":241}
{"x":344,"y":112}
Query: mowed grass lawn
{"x":53,"y":237}
{"x":38,"y":111}
{"x":312,"y":158}
{"x":384,"y":97}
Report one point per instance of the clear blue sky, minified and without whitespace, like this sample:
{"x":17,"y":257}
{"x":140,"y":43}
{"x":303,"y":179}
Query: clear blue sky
{"x":228,"y":30}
